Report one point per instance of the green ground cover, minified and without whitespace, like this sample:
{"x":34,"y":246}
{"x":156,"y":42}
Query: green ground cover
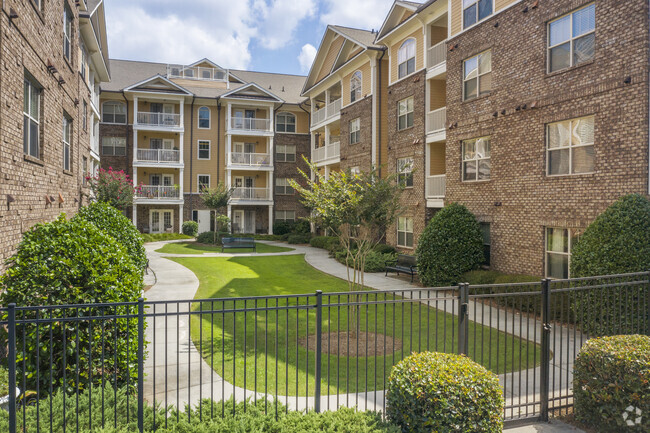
{"x":195,"y":248}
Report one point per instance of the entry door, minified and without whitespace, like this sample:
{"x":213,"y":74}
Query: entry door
{"x":168,"y":144}
{"x":238,"y":221}
{"x":249,"y":184}
{"x":168,"y":118}
{"x":204,"y":221}
{"x":249,"y":224}
{"x":238,"y":119}
{"x":161,"y":220}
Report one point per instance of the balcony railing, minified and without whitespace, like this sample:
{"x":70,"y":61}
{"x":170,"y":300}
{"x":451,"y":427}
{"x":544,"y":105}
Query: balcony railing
{"x":436,"y":186}
{"x":249,"y":124}
{"x":158,"y":192}
{"x":243,"y":193}
{"x":158,"y":155}
{"x":437,"y":54}
{"x":332,"y":150}
{"x":436,"y":120}
{"x":159,"y":119}
{"x":251,"y":159}
{"x":196,"y":73}
{"x":327,"y":112}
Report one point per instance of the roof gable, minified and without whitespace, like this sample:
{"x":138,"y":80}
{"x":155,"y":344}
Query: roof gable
{"x":399,"y":12}
{"x":252,"y":91}
{"x":158,"y":84}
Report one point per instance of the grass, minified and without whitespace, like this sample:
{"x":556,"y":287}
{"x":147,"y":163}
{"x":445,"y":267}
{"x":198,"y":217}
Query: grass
{"x":289,"y":367}
{"x":163,"y":237}
{"x":195,"y":248}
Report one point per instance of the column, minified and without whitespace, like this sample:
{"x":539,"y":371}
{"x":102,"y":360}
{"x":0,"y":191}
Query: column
{"x":271,"y":147}
{"x":427,"y":105}
{"x":135,"y":110}
{"x":135,"y":215}
{"x":229,"y":213}
{"x":180,"y":219}
{"x":327,"y":172}
{"x":271,"y":219}
{"x":181,"y":146}
{"x":182,"y":113}
{"x":269,"y":185}
{"x":228,"y":151}
{"x":427,"y":168}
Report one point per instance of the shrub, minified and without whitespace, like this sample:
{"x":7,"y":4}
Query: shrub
{"x":208,"y":238}
{"x":299,"y":238}
{"x":302,"y":226}
{"x":190,"y":228}
{"x":111,"y":221}
{"x":282,"y":227}
{"x":479,"y":277}
{"x":439,"y":392}
{"x":450,"y":245}
{"x":323,"y":241}
{"x":113,"y":187}
{"x":4,"y":381}
{"x":375,"y":262}
{"x":157,"y":237}
{"x":610,"y":383}
{"x":385,"y":249}
{"x":72,"y":262}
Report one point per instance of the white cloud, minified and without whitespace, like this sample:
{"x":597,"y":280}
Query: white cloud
{"x":279,"y":20}
{"x":306,"y":57}
{"x":363,"y":14}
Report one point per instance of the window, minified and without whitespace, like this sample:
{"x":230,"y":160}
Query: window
{"x":572,"y":38}
{"x":405,"y":113}
{"x":204,"y":118}
{"x":84,"y":171}
{"x":477,"y":75}
{"x":204,"y":149}
{"x":114,"y":112}
{"x":84,"y":119}
{"x":67,"y":135}
{"x":476,"y":159}
{"x":558,"y":252}
{"x":67,"y":31}
{"x":487,"y":243}
{"x":570,"y":147}
{"x":203,"y":181}
{"x":31,"y":118}
{"x":405,"y":232}
{"x":83,"y":64}
{"x":406,"y":58}
{"x":285,"y":122}
{"x":282,"y":187}
{"x":355,"y":86}
{"x":114,"y":146}
{"x":355,"y":131}
{"x":285,"y":153}
{"x":475,"y":11}
{"x":285,"y":215}
{"x":405,"y":172}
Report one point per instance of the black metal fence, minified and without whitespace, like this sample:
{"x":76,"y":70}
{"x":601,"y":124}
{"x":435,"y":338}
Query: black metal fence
{"x":82,"y":366}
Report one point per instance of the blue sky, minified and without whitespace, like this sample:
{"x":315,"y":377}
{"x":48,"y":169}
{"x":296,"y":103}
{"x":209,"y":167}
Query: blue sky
{"x":263,"y":35}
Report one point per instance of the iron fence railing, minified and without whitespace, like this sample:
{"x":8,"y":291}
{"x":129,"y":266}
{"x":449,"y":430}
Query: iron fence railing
{"x":307,"y":352}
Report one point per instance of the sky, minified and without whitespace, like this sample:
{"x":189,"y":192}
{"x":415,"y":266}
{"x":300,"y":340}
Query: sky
{"x":279,"y":36}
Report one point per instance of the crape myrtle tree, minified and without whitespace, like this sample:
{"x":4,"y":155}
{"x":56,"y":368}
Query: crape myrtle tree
{"x":216,"y":199}
{"x":113,"y":187}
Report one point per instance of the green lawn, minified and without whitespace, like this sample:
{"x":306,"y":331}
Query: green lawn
{"x":286,"y":369}
{"x":194,"y":248}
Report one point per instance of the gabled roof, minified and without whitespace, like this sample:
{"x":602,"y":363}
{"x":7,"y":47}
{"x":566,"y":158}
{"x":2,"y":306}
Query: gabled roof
{"x":393,"y":19}
{"x":251,"y":91}
{"x":209,"y":62}
{"x":158,"y":84}
{"x":364,"y":38}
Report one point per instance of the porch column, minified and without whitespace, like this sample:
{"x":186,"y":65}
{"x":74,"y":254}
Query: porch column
{"x":327,"y":172}
{"x":180,"y":219}
{"x":427,"y":105}
{"x":271,"y":219}
{"x":135,"y":215}
{"x":229,"y":211}
{"x":135,"y":146}
{"x":181,"y":146}
{"x":135,"y":110}
{"x":228,"y":151}
{"x":182,"y":113}
{"x":269,"y":185}
{"x":271,"y":147}
{"x":327,"y":138}
{"x":427,"y":167}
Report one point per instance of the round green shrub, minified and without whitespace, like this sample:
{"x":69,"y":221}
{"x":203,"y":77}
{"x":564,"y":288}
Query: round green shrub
{"x":302,"y":226}
{"x":283,"y":227}
{"x":72,"y":262}
{"x":323,"y":241}
{"x":450,"y":245}
{"x":299,"y":238}
{"x":209,"y":239}
{"x":439,"y":392}
{"x":611,"y":383}
{"x":375,"y":261}
{"x":110,"y":220}
{"x":190,"y":228}
{"x":385,"y":249}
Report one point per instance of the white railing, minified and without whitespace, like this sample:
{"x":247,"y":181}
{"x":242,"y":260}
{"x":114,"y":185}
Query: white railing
{"x":243,"y":193}
{"x":196,"y":73}
{"x":327,"y":112}
{"x":158,"y":192}
{"x":332,"y":150}
{"x":252,"y":159}
{"x":436,"y":120}
{"x":158,"y":119}
{"x":436,"y":186}
{"x":437,"y":54}
{"x":249,"y":124}
{"x":158,"y":155}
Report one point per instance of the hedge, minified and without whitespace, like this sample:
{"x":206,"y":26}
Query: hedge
{"x":324,"y":241}
{"x":208,"y":238}
{"x":158,"y":237}
{"x":375,"y":261}
{"x":439,"y":392}
{"x":190,"y":228}
{"x":611,"y":384}
{"x":299,"y":238}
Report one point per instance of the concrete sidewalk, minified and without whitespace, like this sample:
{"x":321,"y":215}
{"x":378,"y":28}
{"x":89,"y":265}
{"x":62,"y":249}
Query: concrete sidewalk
{"x":543,"y":427}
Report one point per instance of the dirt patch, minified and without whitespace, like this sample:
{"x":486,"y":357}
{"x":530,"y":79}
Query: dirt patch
{"x":359,"y":344}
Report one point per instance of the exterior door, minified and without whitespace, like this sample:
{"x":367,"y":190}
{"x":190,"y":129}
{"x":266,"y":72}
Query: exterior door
{"x":249,"y":221}
{"x":249,"y":184}
{"x":238,"y":119}
{"x":168,"y":111}
{"x":238,"y":221}
{"x":204,"y":221}
{"x":168,"y":144}
{"x":161,"y":221}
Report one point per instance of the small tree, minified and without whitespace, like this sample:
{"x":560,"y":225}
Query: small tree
{"x":216,"y":199}
{"x":113,"y":187}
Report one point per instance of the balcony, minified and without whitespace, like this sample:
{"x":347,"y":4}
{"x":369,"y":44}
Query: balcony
{"x":159,"y":120}
{"x":327,"y":112}
{"x":436,"y":120}
{"x":250,"y":194}
{"x":158,"y":192}
{"x":330,"y":151}
{"x":250,"y":124}
{"x":196,"y":73}
{"x":158,"y":156}
{"x":435,"y":186}
{"x":251,"y":159}
{"x":437,"y":55}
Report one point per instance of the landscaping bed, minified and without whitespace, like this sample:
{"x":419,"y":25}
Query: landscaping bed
{"x":200,"y":248}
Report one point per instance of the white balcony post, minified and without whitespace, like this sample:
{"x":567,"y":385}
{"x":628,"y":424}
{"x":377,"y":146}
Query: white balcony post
{"x":229,"y":212}
{"x":427,"y":104}
{"x":271,"y":219}
{"x":427,"y":162}
{"x":181,"y":183}
{"x":135,"y":110}
{"x":327,"y":98}
{"x":427,"y":43}
{"x":180,"y":219}
{"x":228,"y":116}
{"x":269,"y":186}
{"x":135,"y":215}
{"x":271,"y":151}
{"x":327,"y":172}
{"x":135,"y":145}
{"x":182,"y":113}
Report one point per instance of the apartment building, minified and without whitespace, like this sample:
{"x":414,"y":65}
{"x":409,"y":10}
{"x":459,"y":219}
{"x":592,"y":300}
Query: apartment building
{"x":54,"y":56}
{"x":177,"y":129}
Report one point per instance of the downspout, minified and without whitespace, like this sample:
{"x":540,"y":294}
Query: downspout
{"x":379,"y":117}
{"x":191,"y":154}
{"x":218,"y":136}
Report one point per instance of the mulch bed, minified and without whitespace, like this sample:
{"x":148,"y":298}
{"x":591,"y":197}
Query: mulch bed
{"x":353,"y":345}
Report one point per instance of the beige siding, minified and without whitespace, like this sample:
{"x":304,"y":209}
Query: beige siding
{"x":437,"y":159}
{"x":199,"y":83}
{"x":330,"y":58}
{"x":419,"y":61}
{"x":354,"y":53}
{"x":366,"y":83}
{"x":302,"y":122}
{"x":502,"y":4}
{"x":438,"y":94}
{"x":438,"y":34}
{"x":259,"y":176}
{"x":406,"y":15}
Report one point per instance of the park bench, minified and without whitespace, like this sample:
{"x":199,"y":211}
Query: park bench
{"x":405,"y":264}
{"x":228,"y":243}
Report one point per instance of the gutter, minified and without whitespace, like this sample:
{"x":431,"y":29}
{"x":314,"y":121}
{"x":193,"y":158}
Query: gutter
{"x":218,"y":135}
{"x":380,"y":110}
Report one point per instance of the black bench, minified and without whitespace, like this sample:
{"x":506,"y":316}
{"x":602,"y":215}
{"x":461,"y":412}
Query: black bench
{"x":405,"y":264}
{"x":237,"y":243}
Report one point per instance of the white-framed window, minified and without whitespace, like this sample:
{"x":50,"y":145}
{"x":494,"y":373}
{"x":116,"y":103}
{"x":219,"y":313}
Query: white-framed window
{"x":572,"y":38}
{"x":475,"y":11}
{"x":406,"y":58}
{"x":31,"y":118}
{"x":477,"y":75}
{"x":355,"y":86}
{"x":67,"y":31}
{"x":114,"y":112}
{"x":559,"y":242}
{"x":285,"y":153}
{"x":355,"y":130}
{"x":476,"y":159}
{"x":67,"y":136}
{"x":203,"y":181}
{"x":285,"y":215}
{"x":285,"y":122}
{"x":282,"y":186}
{"x":204,"y":118}
{"x":405,"y":232}
{"x":114,"y":146}
{"x":405,"y":113}
{"x":84,"y":119}
{"x":405,"y":172}
{"x":204,"y":149}
{"x":570,"y":147}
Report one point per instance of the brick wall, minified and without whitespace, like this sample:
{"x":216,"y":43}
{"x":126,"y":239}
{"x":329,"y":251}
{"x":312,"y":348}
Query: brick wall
{"x":117,"y":162}
{"x":358,"y":154}
{"x":290,"y":170}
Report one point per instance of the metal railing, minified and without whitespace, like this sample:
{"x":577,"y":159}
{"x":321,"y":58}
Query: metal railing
{"x":159,"y":119}
{"x":157,"y":192}
{"x":436,"y":185}
{"x":330,"y":151}
{"x":251,"y":159}
{"x":158,"y":155}
{"x":327,"y":112}
{"x":250,"y":124}
{"x":436,"y":120}
{"x":244,"y":193}
{"x":196,"y":73}
{"x":437,"y":54}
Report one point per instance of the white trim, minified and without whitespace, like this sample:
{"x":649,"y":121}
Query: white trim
{"x":360,"y":89}
{"x":162,"y":222}
{"x":404,"y":78}
{"x":494,"y":13}
{"x":570,"y":41}
{"x":133,"y":87}
{"x":198,"y":116}
{"x":569,"y":247}
{"x":415,"y":55}
{"x":404,"y":231}
{"x":126,"y":111}
{"x":247,"y":86}
{"x":570,"y":147}
{"x":198,"y":150}
{"x":295,"y":124}
{"x":462,"y":14}
{"x":198,"y":183}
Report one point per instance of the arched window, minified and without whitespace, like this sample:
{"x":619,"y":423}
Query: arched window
{"x":355,"y":86}
{"x":114,"y":112}
{"x":204,"y":118}
{"x":406,"y":58}
{"x":285,"y":122}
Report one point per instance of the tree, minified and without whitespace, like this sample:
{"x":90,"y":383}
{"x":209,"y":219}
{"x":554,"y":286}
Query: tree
{"x":216,"y":199}
{"x":113,"y":187}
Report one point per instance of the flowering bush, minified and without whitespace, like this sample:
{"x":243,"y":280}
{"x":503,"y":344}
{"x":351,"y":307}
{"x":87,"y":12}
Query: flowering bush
{"x":113,"y":187}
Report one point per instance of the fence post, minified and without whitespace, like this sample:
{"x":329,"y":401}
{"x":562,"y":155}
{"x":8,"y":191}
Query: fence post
{"x":319,"y":331}
{"x":463,"y":318}
{"x":12,"y":367}
{"x":545,"y":375}
{"x":141,"y":365}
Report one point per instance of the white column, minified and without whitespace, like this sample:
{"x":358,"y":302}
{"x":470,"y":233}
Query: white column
{"x":327,"y":97}
{"x":181,"y":184}
{"x":229,"y":212}
{"x":182,"y":113}
{"x":228,"y":151}
{"x":427,"y":105}
{"x":327,"y":135}
{"x":181,"y":146}
{"x":228,"y":116}
{"x":135,"y":145}
{"x":269,"y":184}
{"x":180,"y":219}
{"x":327,"y":172}
{"x":271,"y":147}
{"x":135,"y":215}
{"x":427,"y":44}
{"x":135,"y":110}
{"x":427,"y":166}
{"x":271,"y":219}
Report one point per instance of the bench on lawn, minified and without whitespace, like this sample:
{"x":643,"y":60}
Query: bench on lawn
{"x":227,"y":243}
{"x":405,"y":264}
